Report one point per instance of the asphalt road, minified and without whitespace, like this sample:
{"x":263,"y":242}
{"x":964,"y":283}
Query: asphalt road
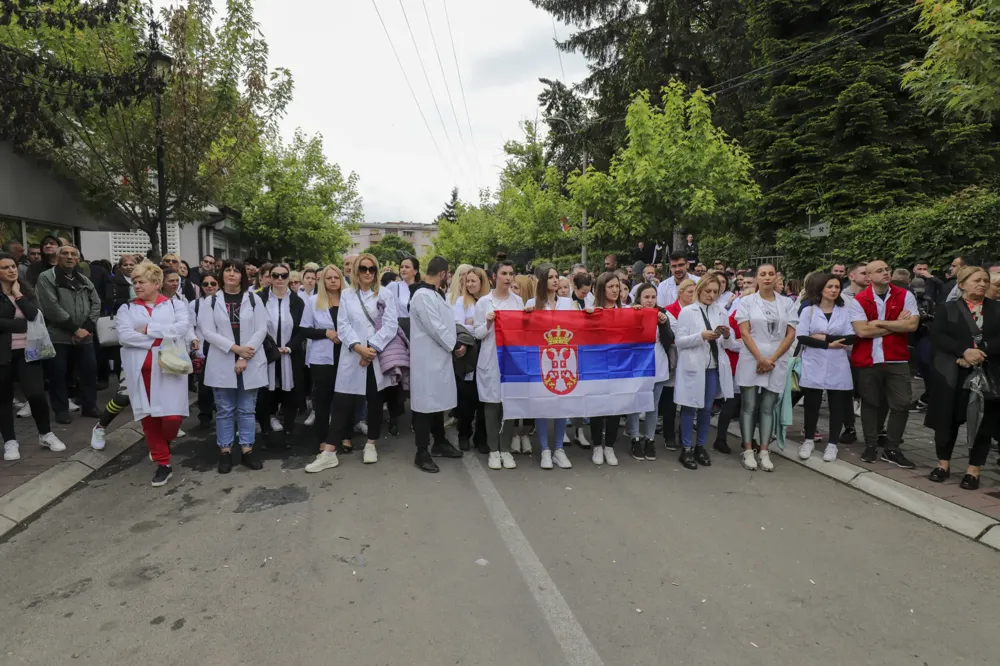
{"x":646,"y":563}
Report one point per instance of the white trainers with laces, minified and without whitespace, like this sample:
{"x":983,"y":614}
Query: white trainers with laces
{"x":180,"y":433}
{"x":311,"y":419}
{"x":51,"y":442}
{"x":325,"y":460}
{"x":508,"y":461}
{"x":597,"y":457}
{"x":566,"y":439}
{"x":370,"y":454}
{"x":806,"y":450}
{"x":546,"y":459}
{"x":748,"y":460}
{"x":561,"y":459}
{"x":11,"y":451}
{"x":24,"y":412}
{"x":494,"y":460}
{"x":276,"y":425}
{"x":526,"y":444}
{"x":765,"y":461}
{"x":831,"y":453}
{"x":581,"y":438}
{"x":610,"y":457}
{"x":97,"y":438}
{"x":73,"y":407}
{"x":515,"y":444}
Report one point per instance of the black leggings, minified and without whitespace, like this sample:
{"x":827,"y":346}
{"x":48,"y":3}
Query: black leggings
{"x":32,"y":380}
{"x":604,"y":430}
{"x":837,"y":401}
{"x":324,"y":383}
{"x":730,"y":410}
{"x":470,"y":412}
{"x":347,"y":405}
{"x":668,"y":411}
{"x":944,"y":438}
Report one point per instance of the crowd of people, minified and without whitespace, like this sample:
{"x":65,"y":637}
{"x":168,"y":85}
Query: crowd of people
{"x":334,"y":351}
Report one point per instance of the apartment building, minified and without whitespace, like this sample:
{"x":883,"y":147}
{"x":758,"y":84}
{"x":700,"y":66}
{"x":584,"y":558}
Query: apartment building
{"x":421,"y":236}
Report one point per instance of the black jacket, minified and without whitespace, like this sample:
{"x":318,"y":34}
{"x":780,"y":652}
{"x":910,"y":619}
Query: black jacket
{"x":36,"y":269}
{"x":9,"y":325}
{"x":121,"y":292}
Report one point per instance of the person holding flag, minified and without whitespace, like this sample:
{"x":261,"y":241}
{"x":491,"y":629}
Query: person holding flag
{"x":604,"y":429}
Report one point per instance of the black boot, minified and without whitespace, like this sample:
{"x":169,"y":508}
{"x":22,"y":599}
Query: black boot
{"x":225,"y":462}
{"x":687,"y":459}
{"x":249,"y":460}
{"x":638,"y":450}
{"x":425,"y":462}
{"x":445,"y":449}
{"x":722,"y":446}
{"x":464,"y":444}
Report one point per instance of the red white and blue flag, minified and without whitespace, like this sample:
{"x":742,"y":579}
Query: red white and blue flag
{"x":561,"y":364}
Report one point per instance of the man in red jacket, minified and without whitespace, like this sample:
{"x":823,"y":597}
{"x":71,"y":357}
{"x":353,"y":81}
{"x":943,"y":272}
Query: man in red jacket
{"x":883,"y":315}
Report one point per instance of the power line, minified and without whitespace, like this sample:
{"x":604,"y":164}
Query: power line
{"x":414,"y":94}
{"x":555,"y":39}
{"x":461,"y":85}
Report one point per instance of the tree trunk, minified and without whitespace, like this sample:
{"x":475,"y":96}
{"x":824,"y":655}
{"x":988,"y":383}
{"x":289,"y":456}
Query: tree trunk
{"x":154,"y":241}
{"x":678,"y":241}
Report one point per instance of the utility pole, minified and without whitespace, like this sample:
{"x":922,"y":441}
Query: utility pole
{"x":158,"y":66}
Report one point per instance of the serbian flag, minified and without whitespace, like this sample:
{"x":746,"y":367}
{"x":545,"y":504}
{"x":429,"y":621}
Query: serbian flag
{"x":561,"y":364}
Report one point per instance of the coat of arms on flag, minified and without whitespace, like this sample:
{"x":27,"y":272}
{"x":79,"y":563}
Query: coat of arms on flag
{"x":559,"y":362}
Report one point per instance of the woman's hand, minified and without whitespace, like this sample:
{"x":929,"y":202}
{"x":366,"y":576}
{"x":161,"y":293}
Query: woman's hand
{"x":530,"y":308}
{"x":460,"y":352}
{"x":367,"y":353}
{"x":491,"y":317}
{"x":661,"y":317}
{"x":636,"y":306}
{"x":243,"y":351}
{"x":709,"y":336}
{"x":818,"y":336}
{"x":764,"y":366}
{"x":284,"y":350}
{"x":973,"y":356}
{"x":195,"y":345}
{"x":241,"y":365}
{"x":15,"y":289}
{"x":332,"y":335}
{"x":836,"y":344}
{"x":963,"y":363}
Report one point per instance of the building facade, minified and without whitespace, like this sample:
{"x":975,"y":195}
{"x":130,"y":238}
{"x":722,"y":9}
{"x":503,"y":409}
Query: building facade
{"x":421,"y":236}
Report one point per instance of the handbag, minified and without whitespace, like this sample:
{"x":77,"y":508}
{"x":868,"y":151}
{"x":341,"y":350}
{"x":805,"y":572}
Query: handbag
{"x":107,"y":333}
{"x":173,"y":358}
{"x":986,"y":383}
{"x":38,"y":346}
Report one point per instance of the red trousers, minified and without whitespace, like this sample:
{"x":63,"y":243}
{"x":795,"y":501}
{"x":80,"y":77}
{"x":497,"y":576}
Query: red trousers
{"x":159,"y":430}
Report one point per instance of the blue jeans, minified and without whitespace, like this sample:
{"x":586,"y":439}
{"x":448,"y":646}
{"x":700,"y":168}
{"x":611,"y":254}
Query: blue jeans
{"x":542,"y":428}
{"x":651,"y":416}
{"x":235,"y":409}
{"x":704,"y":414}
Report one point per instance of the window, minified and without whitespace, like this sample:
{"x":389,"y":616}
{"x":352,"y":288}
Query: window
{"x":36,"y":232}
{"x":408,"y":234}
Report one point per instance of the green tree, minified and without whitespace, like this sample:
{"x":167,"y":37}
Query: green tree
{"x":450,"y":211}
{"x":472,"y":238}
{"x":294,"y":202}
{"x":392,"y":249}
{"x":959,"y":74}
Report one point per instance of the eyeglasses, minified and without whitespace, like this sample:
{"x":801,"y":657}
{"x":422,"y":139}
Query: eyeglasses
{"x":279,"y":276}
{"x":209,"y":284}
{"x":171,"y":261}
{"x":366,"y":269}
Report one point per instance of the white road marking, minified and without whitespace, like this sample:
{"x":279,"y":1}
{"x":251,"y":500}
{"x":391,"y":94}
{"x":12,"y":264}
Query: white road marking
{"x":576,"y":647}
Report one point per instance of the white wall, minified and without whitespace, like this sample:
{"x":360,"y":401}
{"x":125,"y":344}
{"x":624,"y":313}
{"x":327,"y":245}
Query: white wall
{"x":95,"y":245}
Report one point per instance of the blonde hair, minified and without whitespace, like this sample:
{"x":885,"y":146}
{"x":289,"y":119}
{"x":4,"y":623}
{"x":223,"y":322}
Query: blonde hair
{"x":311,"y":266}
{"x":148,"y":271}
{"x":484,"y":285}
{"x":995,"y":279}
{"x":322,"y":296}
{"x":457,"y":289}
{"x":964,"y":273}
{"x":526,"y":283}
{"x":700,"y":287}
{"x":354,"y":271}
{"x":294,"y":276}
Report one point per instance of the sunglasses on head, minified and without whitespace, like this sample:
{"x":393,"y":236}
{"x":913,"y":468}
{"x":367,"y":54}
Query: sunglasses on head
{"x":279,"y":276}
{"x":366,"y":269}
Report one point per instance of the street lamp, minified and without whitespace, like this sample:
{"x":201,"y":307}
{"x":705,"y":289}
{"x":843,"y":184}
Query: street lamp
{"x":583,"y":224}
{"x":158,"y":66}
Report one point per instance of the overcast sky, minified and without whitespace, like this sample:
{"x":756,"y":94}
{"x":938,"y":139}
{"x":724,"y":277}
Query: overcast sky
{"x":349,"y":87}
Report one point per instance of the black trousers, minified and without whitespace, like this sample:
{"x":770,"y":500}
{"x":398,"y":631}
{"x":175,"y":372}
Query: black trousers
{"x":604,"y":430}
{"x":324,"y":384}
{"x":393,"y":397}
{"x":268,"y":403}
{"x":668,"y":410}
{"x":837,"y":401}
{"x":347,"y":404}
{"x":57,"y":374}
{"x":32,"y":380}
{"x":730,"y":410}
{"x":470,"y":412}
{"x":425,"y":425}
{"x":206,"y":401}
{"x":945,"y":438}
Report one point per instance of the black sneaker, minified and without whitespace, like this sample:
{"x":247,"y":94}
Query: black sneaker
{"x":464,"y":444}
{"x":63,"y":418}
{"x":225,"y":462}
{"x":249,"y":460}
{"x":650,"y":450}
{"x":918,"y":405}
{"x":722,"y":446}
{"x":870,"y":455}
{"x":687,"y":459}
{"x":896,"y":457}
{"x":445,"y":449}
{"x":638,"y":450}
{"x":163,"y":474}
{"x":701,"y":456}
{"x":669,"y":445}
{"x":849,"y":436}
{"x":393,"y":428}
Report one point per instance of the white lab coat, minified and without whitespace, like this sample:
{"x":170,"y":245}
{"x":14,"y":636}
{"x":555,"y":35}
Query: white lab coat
{"x":194,"y":307}
{"x":752,"y":310}
{"x":168,"y":394}
{"x":220,"y":363}
{"x":354,"y":328}
{"x":694,"y":354}
{"x":401,"y":292}
{"x":184,"y":310}
{"x":281,"y":339}
{"x":465,"y":314}
{"x":661,"y":356}
{"x":828,"y":369}
{"x":318,"y":352}
{"x":666,"y":291}
{"x":671,"y":380}
{"x":562,"y":303}
{"x":488,"y":366}
{"x":432,"y":342}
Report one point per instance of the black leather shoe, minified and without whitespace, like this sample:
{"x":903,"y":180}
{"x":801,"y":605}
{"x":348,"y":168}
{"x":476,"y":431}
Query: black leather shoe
{"x":722,"y":446}
{"x":938,"y":475}
{"x":425,"y":462}
{"x":638,"y":449}
{"x":870,"y":454}
{"x":701,"y":456}
{"x":483,"y":448}
{"x":445,"y":449}
{"x":849,"y":436}
{"x":225,"y":463}
{"x":249,"y":460}
{"x":63,"y":417}
{"x":687,"y":459}
{"x":464,"y":444}
{"x":970,"y":482}
{"x":91,"y":413}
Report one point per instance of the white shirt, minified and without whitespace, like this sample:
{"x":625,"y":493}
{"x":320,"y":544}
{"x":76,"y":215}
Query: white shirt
{"x":318,"y":352}
{"x":562,"y":303}
{"x":276,"y":306}
{"x":858,"y":314}
{"x":666,"y":292}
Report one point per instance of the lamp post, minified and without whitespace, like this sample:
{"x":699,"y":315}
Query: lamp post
{"x":158,"y":66}
{"x":583,"y":222}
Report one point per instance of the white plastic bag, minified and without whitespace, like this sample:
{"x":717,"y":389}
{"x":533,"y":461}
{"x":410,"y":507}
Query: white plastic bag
{"x":39,"y":345}
{"x":174,"y":359}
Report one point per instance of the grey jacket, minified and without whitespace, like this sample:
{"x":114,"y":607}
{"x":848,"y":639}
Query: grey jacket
{"x":69,"y":302}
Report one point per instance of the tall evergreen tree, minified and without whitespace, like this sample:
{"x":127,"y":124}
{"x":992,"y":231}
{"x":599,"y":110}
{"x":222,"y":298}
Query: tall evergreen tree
{"x":450,"y":211}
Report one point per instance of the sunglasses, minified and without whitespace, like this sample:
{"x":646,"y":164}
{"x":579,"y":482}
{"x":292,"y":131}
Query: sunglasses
{"x":171,"y":261}
{"x":366,"y":269}
{"x":279,"y":276}
{"x":209,"y":284}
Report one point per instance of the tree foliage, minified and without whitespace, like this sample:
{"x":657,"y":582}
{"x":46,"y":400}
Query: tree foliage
{"x":392,"y":249}
{"x":450,"y":211}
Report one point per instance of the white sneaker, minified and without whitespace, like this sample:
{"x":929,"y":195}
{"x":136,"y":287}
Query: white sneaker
{"x":857,"y":407}
{"x":276,"y":425}
{"x":361,"y":428}
{"x":325,"y":460}
{"x":806,"y":450}
{"x":561,"y":459}
{"x":508,"y":461}
{"x":581,"y":438}
{"x":370,"y":455}
{"x":24,"y":412}
{"x":610,"y":457}
{"x":831,"y":453}
{"x":748,"y":460}
{"x":765,"y":461}
{"x":180,"y":433}
{"x":97,"y":438}
{"x":51,"y":442}
{"x":546,"y":459}
{"x":449,"y":422}
{"x":566,"y":439}
{"x":526,"y":444}
{"x":11,"y":450}
{"x":494,"y":460}
{"x":597,"y":457}
{"x":311,"y":419}
{"x":73,"y":407}
{"x":515,"y":444}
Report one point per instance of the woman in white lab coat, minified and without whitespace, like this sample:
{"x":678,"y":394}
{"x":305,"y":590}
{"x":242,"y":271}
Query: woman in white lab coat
{"x":206,"y":400}
{"x":604,"y":429}
{"x":703,"y":373}
{"x":643,"y":448}
{"x":469,"y":412}
{"x":826,"y":334}
{"x":234,"y":325}
{"x":159,"y":400}
{"x":409,"y":273}
{"x":359,"y":374}
{"x":767,"y":327}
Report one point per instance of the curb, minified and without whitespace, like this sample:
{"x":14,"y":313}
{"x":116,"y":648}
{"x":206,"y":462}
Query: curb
{"x":22,"y":503}
{"x":968,"y":523}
